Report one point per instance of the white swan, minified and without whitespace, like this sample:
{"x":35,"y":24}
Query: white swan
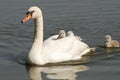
{"x":52,"y":51}
{"x":111,"y":43}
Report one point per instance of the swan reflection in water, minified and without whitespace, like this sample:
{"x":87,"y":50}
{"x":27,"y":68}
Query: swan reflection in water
{"x":67,"y":72}
{"x":60,"y":71}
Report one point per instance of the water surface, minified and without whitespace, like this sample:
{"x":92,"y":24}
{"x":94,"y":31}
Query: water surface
{"x":90,"y":19}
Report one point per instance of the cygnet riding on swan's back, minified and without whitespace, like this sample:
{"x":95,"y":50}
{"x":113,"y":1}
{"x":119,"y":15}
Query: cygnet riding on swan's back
{"x":62,"y":34}
{"x":52,"y":51}
{"x":111,"y":43}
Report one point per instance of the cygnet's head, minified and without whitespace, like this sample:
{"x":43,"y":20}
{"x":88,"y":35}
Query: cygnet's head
{"x":70,"y":33}
{"x":62,"y":33}
{"x":108,"y":37}
{"x":33,"y":12}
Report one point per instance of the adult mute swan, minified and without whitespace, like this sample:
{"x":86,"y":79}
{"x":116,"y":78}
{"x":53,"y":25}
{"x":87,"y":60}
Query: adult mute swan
{"x":52,"y":50}
{"x":111,"y":43}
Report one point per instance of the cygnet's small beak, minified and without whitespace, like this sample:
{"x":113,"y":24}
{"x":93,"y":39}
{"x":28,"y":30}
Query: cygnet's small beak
{"x":26,"y":18}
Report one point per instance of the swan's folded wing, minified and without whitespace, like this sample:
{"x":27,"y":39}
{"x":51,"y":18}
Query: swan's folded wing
{"x":59,"y":45}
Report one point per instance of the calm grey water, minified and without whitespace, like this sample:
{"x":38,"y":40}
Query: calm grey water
{"x":90,"y":19}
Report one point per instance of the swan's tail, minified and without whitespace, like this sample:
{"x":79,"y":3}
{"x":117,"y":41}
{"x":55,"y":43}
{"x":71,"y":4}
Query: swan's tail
{"x":89,"y":50}
{"x":92,"y":49}
{"x":86,"y":51}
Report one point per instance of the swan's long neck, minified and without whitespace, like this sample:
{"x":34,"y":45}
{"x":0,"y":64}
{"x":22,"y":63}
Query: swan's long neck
{"x":38,"y":33}
{"x":35,"y":52}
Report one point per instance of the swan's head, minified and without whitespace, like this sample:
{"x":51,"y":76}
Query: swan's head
{"x":33,"y":12}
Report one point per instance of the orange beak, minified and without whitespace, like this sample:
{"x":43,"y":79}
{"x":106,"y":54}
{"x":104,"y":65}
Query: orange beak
{"x":26,"y":18}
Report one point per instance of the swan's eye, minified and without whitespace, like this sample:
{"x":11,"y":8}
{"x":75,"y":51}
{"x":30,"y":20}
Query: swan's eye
{"x":30,"y":12}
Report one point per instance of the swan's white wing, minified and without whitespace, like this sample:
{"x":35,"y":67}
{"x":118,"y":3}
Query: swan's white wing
{"x":64,"y":49}
{"x":69,"y":45}
{"x":58,"y":45}
{"x":79,"y":48}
